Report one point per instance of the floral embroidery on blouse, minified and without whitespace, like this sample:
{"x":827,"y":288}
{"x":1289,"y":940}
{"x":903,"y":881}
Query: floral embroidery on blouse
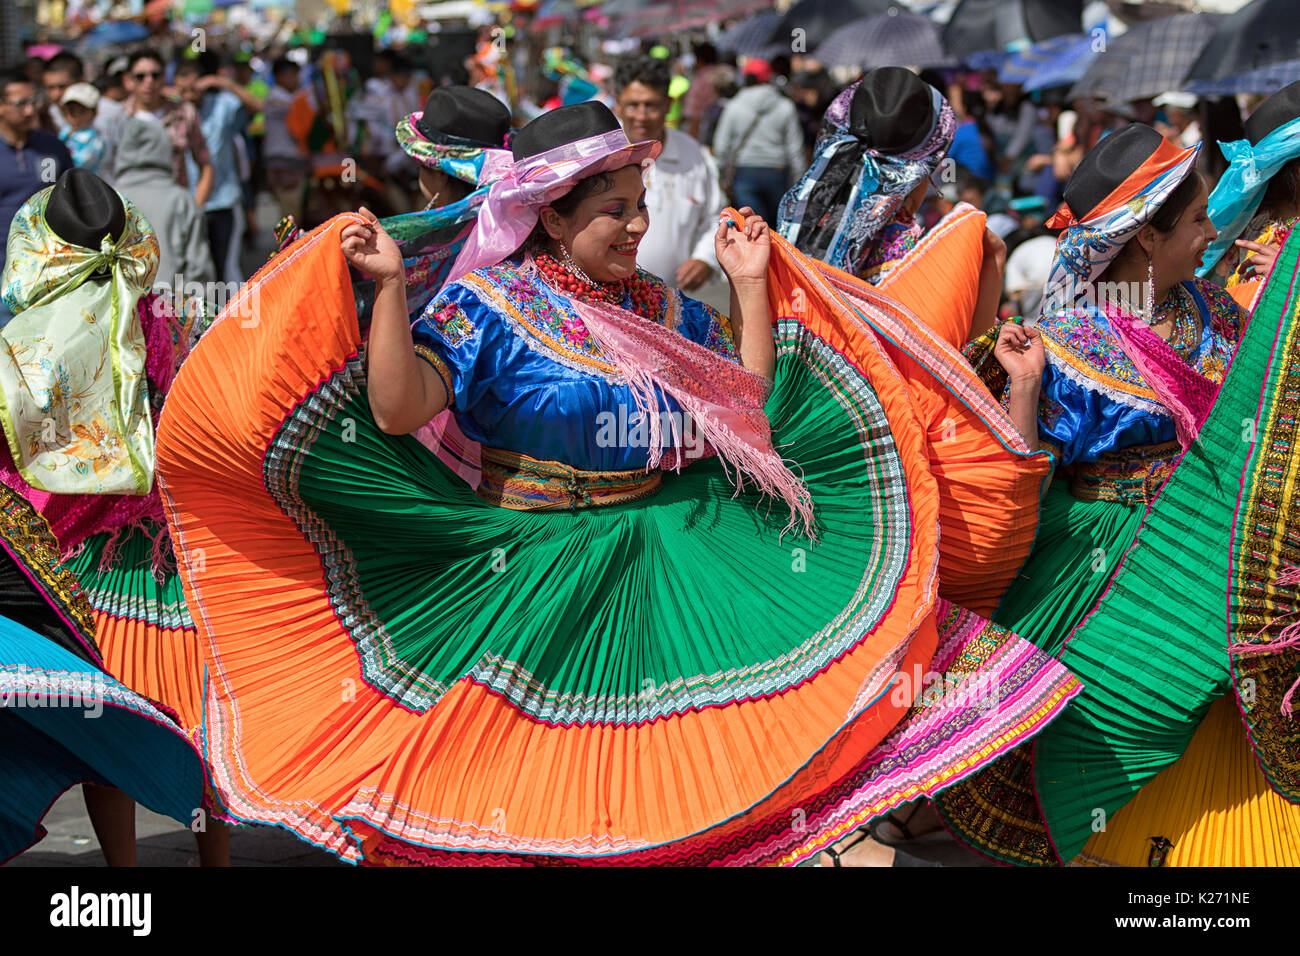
{"x":1075,"y":339}
{"x":720,"y":338}
{"x":452,"y":323}
{"x":894,"y":242}
{"x":545,"y":315}
{"x":1049,"y":411}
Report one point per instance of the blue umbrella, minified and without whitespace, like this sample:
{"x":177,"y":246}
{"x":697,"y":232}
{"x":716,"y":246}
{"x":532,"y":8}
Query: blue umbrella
{"x":1023,"y":63}
{"x":986,"y":59}
{"x":1066,"y":67}
{"x":1266,"y":79}
{"x":115,"y":32}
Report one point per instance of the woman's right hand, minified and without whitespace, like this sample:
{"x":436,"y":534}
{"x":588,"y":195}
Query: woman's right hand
{"x":371,"y":250}
{"x":1020,"y":351}
{"x":1261,"y":262}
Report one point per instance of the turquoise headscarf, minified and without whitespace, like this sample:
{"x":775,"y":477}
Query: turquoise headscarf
{"x":1237,"y":196}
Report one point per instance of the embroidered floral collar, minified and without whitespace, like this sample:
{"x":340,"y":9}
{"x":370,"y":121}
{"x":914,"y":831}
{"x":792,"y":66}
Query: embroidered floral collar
{"x":546,"y":318}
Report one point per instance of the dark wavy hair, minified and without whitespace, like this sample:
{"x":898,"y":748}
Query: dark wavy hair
{"x":566,"y":205}
{"x":642,"y":69}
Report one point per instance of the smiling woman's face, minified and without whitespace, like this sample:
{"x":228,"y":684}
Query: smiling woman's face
{"x":603,"y":232}
{"x":1177,"y":254}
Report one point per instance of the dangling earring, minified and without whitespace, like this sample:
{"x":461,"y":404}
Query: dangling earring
{"x":573,"y":266}
{"x":1150,"y":317}
{"x":431,"y":203}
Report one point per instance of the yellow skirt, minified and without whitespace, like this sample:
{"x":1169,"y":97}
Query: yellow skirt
{"x":1213,"y":805}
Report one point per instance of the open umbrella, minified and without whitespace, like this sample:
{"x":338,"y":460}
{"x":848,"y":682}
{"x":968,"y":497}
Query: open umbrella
{"x":996,"y":24}
{"x":1022,"y":64}
{"x":1067,"y":67}
{"x":748,"y":37}
{"x":1267,"y":79}
{"x":1153,"y":57}
{"x":113,"y":33}
{"x":1260,"y":33}
{"x":818,"y":18}
{"x":896,"y":38}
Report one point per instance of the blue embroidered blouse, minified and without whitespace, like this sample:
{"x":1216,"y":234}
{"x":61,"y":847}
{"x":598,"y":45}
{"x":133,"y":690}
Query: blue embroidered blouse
{"x":1095,"y":401}
{"x":526,"y":376}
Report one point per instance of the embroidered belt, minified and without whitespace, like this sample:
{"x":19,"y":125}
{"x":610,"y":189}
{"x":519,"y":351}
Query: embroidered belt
{"x":513,"y":480}
{"x":1131,"y":476}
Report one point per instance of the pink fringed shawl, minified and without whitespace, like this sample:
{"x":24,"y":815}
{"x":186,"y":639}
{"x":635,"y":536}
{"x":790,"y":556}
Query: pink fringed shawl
{"x":723,"y":400}
{"x":1186,"y":393}
{"x":74,"y":518}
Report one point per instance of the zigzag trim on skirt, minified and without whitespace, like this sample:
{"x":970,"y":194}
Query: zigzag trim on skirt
{"x":988,"y":692}
{"x":386,"y":672}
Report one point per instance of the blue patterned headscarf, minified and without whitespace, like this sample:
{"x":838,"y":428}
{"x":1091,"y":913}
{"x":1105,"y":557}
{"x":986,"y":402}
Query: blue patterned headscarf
{"x":851,"y":192}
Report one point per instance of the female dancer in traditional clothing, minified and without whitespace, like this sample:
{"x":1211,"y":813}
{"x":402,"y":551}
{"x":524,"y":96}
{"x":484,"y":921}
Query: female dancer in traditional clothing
{"x":459,"y":140}
{"x":882,"y":140}
{"x":1126,"y":581}
{"x":1258,"y":196}
{"x":612,"y":650}
{"x":79,"y":450}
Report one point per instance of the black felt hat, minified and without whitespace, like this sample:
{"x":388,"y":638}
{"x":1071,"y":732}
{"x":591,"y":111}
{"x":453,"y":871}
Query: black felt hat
{"x":568,"y":124}
{"x":83,"y":209}
{"x":1107,"y":165}
{"x":463,"y":115}
{"x":892,"y":110}
{"x":1278,"y":110}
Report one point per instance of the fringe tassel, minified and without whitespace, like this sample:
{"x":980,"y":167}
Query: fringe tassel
{"x":1288,"y":637}
{"x":635,"y":348}
{"x":162,"y":560}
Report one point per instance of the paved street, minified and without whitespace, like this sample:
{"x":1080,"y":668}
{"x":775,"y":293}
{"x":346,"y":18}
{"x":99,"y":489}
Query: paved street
{"x":164,"y":842}
{"x":161,"y":841}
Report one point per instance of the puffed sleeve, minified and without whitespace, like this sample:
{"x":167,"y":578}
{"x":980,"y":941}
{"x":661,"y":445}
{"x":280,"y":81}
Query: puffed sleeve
{"x":706,"y":326}
{"x":1085,"y":423}
{"x":450,"y":336}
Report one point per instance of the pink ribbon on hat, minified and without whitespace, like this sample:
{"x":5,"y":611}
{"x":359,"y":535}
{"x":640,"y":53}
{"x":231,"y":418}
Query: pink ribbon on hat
{"x":513,"y":203}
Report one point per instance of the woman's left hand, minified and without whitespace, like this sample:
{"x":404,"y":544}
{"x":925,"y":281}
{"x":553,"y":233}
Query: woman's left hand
{"x":743,"y":253}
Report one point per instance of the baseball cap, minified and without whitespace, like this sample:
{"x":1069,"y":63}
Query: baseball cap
{"x":760,"y":70}
{"x":82,"y":93}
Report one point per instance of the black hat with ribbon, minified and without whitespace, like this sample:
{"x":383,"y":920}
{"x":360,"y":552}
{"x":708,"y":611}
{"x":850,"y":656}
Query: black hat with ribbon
{"x":892,"y":110}
{"x":1278,"y":110}
{"x":571,"y":124}
{"x":83,"y":209}
{"x":454,"y":119}
{"x":1114,"y":159}
{"x":464,"y":115}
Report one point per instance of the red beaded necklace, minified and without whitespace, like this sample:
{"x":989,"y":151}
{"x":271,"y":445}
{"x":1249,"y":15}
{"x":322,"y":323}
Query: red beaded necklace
{"x":646,"y":298}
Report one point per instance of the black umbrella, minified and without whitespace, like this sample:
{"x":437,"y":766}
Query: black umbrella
{"x":993,"y":24}
{"x":887,"y":39}
{"x":1153,"y":57}
{"x":748,"y":37}
{"x":817,"y":18}
{"x":1260,"y":33}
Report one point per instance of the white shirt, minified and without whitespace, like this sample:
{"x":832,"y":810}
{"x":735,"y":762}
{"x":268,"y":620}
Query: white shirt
{"x":684,"y":198}
{"x":278,"y":143}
